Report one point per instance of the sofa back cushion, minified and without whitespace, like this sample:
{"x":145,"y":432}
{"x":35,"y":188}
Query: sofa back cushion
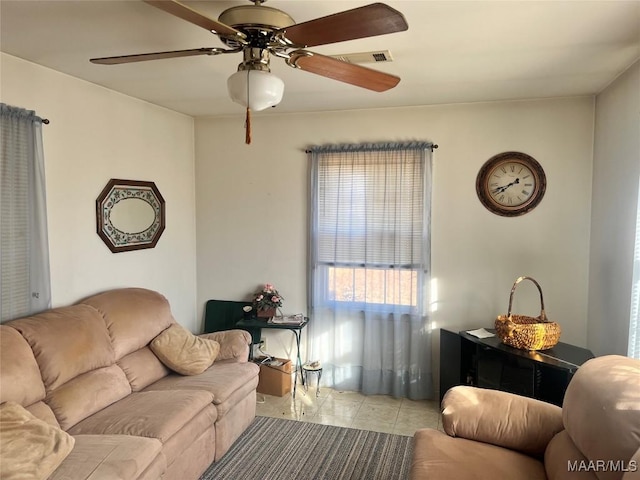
{"x":20,"y":378}
{"x":21,"y":381}
{"x":142,"y":368}
{"x":73,"y":351}
{"x":133,"y":316}
{"x":87,"y":394}
{"x":601,"y":411}
{"x":66,"y":342}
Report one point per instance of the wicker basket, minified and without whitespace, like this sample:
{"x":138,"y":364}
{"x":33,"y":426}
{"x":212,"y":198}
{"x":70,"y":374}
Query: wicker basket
{"x":527,"y":333}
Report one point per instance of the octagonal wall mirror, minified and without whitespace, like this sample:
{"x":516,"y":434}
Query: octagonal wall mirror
{"x":130,"y":215}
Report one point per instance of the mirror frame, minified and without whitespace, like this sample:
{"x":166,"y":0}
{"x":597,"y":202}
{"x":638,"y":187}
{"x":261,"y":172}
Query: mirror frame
{"x":117,"y":190}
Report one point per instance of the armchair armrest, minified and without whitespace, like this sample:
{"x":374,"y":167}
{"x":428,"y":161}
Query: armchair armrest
{"x":500,"y":418}
{"x":234,"y":344}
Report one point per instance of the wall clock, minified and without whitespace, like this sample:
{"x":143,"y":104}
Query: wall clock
{"x":511,"y":184}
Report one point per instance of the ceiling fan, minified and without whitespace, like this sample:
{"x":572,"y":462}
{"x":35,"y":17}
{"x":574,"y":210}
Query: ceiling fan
{"x":259,"y":32}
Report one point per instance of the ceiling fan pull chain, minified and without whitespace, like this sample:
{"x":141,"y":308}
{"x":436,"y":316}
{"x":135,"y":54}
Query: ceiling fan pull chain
{"x":247,"y":126}
{"x":247,"y":122}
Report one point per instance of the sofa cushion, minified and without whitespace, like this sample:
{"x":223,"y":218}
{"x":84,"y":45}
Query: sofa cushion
{"x":194,"y":460}
{"x":561,"y":454}
{"x":133,"y":316}
{"x":436,"y":455}
{"x":111,"y":457}
{"x":88,"y":394}
{"x":146,"y":414}
{"x":21,"y":381}
{"x":183,"y":352}
{"x":221,"y":379}
{"x":178,"y":447}
{"x":67,"y":342}
{"x":142,"y":368}
{"x":601,"y":410}
{"x":29,"y":447}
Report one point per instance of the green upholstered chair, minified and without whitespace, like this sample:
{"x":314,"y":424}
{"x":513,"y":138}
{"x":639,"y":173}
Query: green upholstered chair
{"x":222,"y":315}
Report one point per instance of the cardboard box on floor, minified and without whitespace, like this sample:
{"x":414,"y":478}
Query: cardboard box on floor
{"x":275,"y":380}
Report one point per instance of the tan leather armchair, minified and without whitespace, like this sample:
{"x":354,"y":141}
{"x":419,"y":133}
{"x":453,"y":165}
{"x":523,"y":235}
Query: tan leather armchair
{"x":496,"y":435}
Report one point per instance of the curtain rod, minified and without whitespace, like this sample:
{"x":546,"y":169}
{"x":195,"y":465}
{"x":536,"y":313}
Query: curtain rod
{"x":31,"y":114}
{"x":433,"y":147}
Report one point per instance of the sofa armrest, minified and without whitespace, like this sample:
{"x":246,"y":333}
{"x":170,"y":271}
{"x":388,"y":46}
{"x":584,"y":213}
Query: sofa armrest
{"x":500,"y":418}
{"x":234,"y":344}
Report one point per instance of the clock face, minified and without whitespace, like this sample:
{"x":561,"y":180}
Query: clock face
{"x":511,"y":184}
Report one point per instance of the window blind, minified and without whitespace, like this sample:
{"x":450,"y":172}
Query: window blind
{"x":371,"y":208}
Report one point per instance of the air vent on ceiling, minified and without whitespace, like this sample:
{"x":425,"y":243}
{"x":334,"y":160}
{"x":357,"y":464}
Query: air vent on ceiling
{"x":366,"y":57}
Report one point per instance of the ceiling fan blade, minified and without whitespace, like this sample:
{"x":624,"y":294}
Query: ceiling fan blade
{"x":343,"y":71}
{"x":186,"y":13}
{"x":141,"y":57}
{"x":361,"y":22}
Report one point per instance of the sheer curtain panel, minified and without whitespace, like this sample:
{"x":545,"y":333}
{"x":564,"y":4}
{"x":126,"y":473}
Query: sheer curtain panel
{"x":369,"y":261}
{"x":634,"y":324}
{"x":24,"y":252}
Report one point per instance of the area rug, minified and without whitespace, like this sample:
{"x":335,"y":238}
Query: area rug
{"x":279,"y":449}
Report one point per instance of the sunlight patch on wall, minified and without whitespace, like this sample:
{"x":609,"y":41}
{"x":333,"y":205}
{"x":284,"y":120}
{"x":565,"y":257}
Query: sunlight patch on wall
{"x":433,"y":296}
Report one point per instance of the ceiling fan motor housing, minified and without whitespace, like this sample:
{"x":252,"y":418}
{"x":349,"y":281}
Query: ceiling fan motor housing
{"x":256,"y":21}
{"x":255,"y":59}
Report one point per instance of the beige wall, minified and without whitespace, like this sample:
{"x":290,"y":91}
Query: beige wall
{"x":252,"y":206}
{"x":96,"y":134}
{"x":251,"y":200}
{"x":615,"y":199}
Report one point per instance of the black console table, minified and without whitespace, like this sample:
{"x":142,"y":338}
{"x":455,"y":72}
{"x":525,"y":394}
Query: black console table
{"x":488,"y":363}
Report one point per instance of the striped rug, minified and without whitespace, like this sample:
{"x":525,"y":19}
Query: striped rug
{"x":279,"y":449}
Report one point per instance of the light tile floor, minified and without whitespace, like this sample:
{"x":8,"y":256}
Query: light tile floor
{"x":380,"y":413}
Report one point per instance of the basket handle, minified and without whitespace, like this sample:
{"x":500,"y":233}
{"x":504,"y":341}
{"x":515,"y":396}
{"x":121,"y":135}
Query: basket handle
{"x":543,"y":315}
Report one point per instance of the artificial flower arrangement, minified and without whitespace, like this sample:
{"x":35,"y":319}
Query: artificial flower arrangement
{"x":268,"y":297}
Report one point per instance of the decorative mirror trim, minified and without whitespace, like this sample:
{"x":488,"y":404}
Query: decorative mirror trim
{"x":115,"y":192}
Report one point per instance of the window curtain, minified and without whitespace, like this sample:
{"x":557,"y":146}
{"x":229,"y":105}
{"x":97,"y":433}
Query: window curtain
{"x":369,"y":261}
{"x":634,"y":325}
{"x":25,"y":284}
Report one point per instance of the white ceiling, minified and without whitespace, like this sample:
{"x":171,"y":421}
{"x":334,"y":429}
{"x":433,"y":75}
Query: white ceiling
{"x":454,"y":51}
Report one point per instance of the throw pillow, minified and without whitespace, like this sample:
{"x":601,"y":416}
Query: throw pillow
{"x":30,"y":447}
{"x":183,"y":352}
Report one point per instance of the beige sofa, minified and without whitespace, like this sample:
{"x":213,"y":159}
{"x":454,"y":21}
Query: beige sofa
{"x":496,"y":435}
{"x":88,"y":369}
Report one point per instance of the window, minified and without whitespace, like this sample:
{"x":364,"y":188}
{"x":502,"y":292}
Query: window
{"x":370,"y":285}
{"x":369,"y":265}
{"x":370,"y":226}
{"x":24,"y":258}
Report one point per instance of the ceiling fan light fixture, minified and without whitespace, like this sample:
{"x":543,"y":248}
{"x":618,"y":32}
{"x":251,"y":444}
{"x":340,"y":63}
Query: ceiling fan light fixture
{"x":255,"y":89}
